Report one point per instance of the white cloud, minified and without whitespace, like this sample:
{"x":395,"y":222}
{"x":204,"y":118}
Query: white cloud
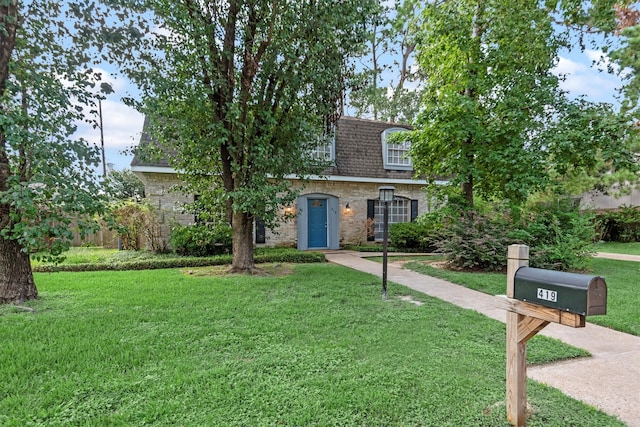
{"x":585,"y":79}
{"x":122,"y":127}
{"x":119,"y":85}
{"x":568,"y":66}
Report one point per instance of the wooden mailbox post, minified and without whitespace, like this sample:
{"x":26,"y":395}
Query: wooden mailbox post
{"x":525,"y":320}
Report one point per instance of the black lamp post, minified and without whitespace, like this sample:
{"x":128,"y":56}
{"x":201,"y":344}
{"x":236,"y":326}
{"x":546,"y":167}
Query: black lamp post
{"x":386,"y":196}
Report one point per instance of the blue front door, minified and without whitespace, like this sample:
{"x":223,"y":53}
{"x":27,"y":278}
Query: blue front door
{"x":317,"y":223}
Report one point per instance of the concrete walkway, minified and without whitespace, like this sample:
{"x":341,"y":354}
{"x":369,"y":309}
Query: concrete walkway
{"x":610,"y":380}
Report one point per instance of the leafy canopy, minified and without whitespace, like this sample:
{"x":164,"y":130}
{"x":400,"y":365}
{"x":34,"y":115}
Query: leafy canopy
{"x":494,"y":118}
{"x":241,"y":91}
{"x":46,"y":174}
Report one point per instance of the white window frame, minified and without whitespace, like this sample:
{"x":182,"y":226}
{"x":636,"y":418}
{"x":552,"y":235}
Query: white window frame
{"x":325,"y":150}
{"x":399,"y":211}
{"x":404,"y":162}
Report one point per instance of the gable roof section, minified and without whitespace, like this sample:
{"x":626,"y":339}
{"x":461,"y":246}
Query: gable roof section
{"x":140,"y":160}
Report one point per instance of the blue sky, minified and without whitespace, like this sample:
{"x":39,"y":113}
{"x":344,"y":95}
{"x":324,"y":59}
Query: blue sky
{"x":123,"y":125}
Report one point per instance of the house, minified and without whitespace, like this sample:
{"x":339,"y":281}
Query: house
{"x":340,"y":207}
{"x":599,"y":201}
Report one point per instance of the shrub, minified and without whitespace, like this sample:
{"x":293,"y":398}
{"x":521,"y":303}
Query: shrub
{"x":476,"y":241}
{"x":560,"y":237}
{"x":622,"y":225}
{"x":133,"y":222}
{"x":201,"y":240}
{"x":413,"y":236}
{"x":261,"y":256}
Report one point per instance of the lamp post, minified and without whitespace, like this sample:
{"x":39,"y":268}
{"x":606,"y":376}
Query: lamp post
{"x":386,"y":196}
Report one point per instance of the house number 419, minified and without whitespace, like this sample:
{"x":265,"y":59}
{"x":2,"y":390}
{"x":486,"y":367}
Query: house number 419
{"x":547,"y":295}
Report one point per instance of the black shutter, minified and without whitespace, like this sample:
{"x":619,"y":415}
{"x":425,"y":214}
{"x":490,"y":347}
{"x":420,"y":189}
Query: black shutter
{"x":371,"y":215}
{"x":414,"y":209}
{"x":196,"y":216}
{"x":260,"y":231}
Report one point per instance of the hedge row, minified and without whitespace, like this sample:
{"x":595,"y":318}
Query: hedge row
{"x":154,"y":264}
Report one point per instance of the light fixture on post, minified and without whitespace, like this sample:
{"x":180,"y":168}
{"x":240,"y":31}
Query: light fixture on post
{"x":386,"y":196}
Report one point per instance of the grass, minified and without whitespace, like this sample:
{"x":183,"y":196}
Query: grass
{"x":97,"y":255}
{"x":623,"y":289}
{"x":317,"y":347}
{"x":632,"y":248}
{"x":98,"y":259}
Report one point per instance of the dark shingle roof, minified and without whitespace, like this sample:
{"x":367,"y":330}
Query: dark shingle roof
{"x":358,"y":150}
{"x":141,"y":158}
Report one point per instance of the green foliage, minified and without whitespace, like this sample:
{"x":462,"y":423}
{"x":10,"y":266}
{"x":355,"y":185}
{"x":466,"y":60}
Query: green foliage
{"x":124,"y":185}
{"x":476,"y":241}
{"x":621,"y":225}
{"x":125,"y":260}
{"x":558,"y":234}
{"x":201,"y":239}
{"x":240,"y":93}
{"x":136,"y":224}
{"x":421,"y":235}
{"x":590,"y":146}
{"x":626,"y":58}
{"x":410,"y":235}
{"x":491,"y":95}
{"x":489,"y":84}
{"x":387,"y":55}
{"x":46,"y":174}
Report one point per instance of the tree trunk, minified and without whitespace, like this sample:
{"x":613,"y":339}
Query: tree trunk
{"x":16,"y":277}
{"x":243,"y":261}
{"x":467,"y":191}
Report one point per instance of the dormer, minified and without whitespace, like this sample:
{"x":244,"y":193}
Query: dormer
{"x":395,"y":156}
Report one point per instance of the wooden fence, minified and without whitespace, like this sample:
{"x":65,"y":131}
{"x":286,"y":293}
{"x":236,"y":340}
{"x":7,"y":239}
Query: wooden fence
{"x":104,"y":237}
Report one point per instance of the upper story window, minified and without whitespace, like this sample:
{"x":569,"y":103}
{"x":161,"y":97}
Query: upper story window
{"x":395,"y":155}
{"x":325,"y":150}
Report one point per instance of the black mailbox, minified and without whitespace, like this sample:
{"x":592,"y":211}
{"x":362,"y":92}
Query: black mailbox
{"x":575,"y":293}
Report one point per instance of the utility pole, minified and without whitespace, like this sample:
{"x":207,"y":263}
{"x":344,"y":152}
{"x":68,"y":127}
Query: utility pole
{"x":104,"y":163}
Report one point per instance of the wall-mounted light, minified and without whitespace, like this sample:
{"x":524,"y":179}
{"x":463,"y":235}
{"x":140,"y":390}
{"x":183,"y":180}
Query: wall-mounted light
{"x":288,"y":209}
{"x":347,"y":208}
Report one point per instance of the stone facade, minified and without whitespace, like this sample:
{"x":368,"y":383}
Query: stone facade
{"x":352,"y":222}
{"x":598,"y":201}
{"x":166,"y":202}
{"x":362,"y":161}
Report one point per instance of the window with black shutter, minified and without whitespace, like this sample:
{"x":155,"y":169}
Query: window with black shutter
{"x":260,"y":231}
{"x":371,"y":217}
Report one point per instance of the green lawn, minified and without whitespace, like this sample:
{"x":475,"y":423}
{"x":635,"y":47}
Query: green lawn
{"x":623,"y":289}
{"x":315,"y":348}
{"x":632,"y":248}
{"x":97,"y":255}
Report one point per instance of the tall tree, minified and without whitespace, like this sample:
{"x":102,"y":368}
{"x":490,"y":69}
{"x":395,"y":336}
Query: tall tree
{"x":627,"y":58}
{"x":491,"y":92}
{"x":388,"y":87}
{"x":241,"y":91}
{"x":45,"y":174}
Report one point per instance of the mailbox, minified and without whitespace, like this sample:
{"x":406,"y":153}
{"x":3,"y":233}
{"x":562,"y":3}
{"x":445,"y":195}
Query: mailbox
{"x":575,"y":293}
